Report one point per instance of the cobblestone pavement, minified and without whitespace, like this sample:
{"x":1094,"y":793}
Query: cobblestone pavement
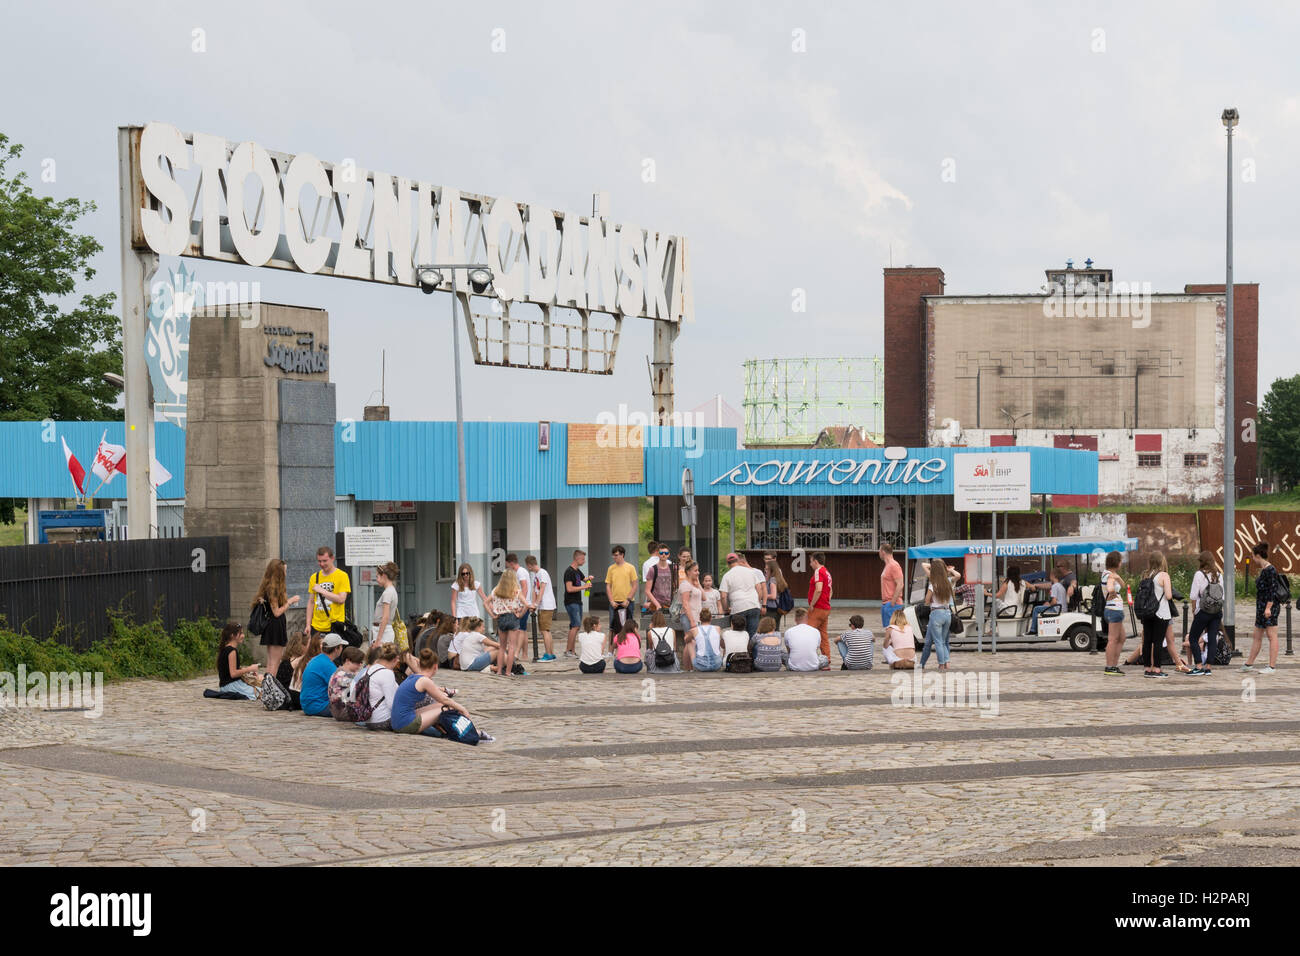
{"x":1054,"y":765}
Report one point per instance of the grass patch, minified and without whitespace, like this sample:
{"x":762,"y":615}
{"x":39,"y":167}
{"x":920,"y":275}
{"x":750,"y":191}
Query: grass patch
{"x":13,"y":533}
{"x":130,"y":650}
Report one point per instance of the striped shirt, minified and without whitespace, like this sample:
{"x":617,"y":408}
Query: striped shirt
{"x":861,"y":649}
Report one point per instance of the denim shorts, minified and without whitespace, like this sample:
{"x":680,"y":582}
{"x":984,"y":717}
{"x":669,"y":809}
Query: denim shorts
{"x":508,"y":622}
{"x":575,"y":614}
{"x":1114,"y":617}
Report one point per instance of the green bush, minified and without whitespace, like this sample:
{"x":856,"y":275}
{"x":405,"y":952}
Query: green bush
{"x":130,"y":650}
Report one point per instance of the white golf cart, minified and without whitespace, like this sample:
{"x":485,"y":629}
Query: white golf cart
{"x":1011,"y":625}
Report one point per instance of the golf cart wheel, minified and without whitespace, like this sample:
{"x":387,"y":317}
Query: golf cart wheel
{"x":1078,"y":636}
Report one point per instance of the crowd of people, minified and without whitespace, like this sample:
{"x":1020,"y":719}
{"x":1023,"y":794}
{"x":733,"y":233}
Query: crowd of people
{"x":747,"y":622}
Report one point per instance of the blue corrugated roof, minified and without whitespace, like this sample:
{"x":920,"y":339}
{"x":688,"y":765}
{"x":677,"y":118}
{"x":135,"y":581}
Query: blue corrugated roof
{"x":32,"y":463}
{"x":416,"y":461}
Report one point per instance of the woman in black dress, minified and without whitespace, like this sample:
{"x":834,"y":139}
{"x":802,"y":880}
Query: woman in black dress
{"x":1267,"y":604}
{"x":272,"y":590}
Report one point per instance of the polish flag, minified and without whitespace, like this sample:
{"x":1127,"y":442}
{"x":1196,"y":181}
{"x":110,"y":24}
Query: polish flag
{"x":109,"y":459}
{"x":158,"y":475}
{"x":74,"y":467}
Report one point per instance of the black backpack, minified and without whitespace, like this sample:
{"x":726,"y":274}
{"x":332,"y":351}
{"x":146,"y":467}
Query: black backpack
{"x":1282,"y":590}
{"x":1222,"y":652}
{"x":1146,"y":604}
{"x":665,"y":656}
{"x":259,"y":618}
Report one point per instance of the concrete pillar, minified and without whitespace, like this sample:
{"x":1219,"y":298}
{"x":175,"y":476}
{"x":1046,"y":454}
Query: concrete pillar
{"x":480,"y":541}
{"x":524,"y":528}
{"x":671,"y":531}
{"x":623,"y":514}
{"x":571,"y":533}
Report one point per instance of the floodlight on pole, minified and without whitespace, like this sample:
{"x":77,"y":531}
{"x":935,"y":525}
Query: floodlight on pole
{"x":429,"y":277}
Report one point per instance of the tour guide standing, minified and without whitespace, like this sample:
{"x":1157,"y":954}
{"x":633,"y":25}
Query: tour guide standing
{"x":575,"y":583}
{"x":330,"y":587}
{"x":819,"y":600}
{"x":621,"y":586}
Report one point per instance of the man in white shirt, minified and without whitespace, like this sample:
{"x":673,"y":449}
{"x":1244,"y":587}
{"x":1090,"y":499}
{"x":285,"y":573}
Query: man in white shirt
{"x":651,"y":561}
{"x":544,"y":599}
{"x":740,"y":587}
{"x":805,"y":642}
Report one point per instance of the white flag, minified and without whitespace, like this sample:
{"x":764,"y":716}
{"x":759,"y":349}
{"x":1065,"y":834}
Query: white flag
{"x":158,"y":475}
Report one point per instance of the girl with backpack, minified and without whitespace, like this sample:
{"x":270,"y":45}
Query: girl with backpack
{"x":1207,"y":609}
{"x":410,"y":715}
{"x":272,"y":591}
{"x":776,"y":588}
{"x":661,"y":646}
{"x":381,"y":686}
{"x":1154,"y":608}
{"x":1270,"y":595}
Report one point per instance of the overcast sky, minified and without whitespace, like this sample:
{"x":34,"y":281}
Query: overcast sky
{"x":1089,"y":131}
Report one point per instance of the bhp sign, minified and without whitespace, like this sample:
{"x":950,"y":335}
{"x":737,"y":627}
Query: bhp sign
{"x":991,"y":482}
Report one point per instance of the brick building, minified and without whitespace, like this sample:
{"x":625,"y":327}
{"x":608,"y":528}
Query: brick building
{"x":1135,"y":375}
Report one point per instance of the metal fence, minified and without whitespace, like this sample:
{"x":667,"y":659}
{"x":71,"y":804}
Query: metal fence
{"x":65,"y":591}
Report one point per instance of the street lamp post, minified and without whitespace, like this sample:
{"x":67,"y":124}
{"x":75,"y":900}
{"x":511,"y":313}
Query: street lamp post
{"x":480,"y":278}
{"x":1230,"y":424}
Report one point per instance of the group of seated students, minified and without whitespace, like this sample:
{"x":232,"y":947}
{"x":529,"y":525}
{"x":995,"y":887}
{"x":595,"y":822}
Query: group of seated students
{"x":378,"y":689}
{"x":707,"y":647}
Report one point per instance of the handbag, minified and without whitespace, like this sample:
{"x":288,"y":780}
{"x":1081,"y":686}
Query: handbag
{"x":955,"y":626}
{"x":400,"y":634}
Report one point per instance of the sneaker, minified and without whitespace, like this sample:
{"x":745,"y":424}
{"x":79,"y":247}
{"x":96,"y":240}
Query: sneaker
{"x":1267,"y":669}
{"x":1195,"y":672}
{"x":571,"y":654}
{"x":1113,"y":672}
{"x":486,"y":738}
{"x":1159,"y":674}
{"x":1246,"y":667}
{"x":545,"y":658}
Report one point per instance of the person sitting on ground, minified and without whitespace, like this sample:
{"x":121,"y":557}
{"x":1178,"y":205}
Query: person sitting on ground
{"x":627,"y":649}
{"x":230,"y":676}
{"x":311,"y":649}
{"x":591,"y":646}
{"x":472,"y":649}
{"x":441,"y":636}
{"x":382,"y":686}
{"x":351,"y":660}
{"x":900,"y":645}
{"x":767,"y":648}
{"x":735,"y":638}
{"x":660,"y":631}
{"x":316,"y":676}
{"x":285,"y":672}
{"x":804,"y":642}
{"x":410,"y":715}
{"x":856,"y":646}
{"x":703,"y":645}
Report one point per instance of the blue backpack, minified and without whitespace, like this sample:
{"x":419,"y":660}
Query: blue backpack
{"x":785,"y":601}
{"x":458,"y":727}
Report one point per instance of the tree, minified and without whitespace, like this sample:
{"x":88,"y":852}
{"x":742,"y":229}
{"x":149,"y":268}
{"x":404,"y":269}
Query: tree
{"x":1279,"y":430}
{"x":54,"y":350}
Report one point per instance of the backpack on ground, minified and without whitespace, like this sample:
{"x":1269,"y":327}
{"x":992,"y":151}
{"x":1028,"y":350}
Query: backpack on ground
{"x":665,"y":656}
{"x":739,"y":663}
{"x":1146,"y":603}
{"x":259,"y":618}
{"x":458,"y":727}
{"x":1222,"y":652}
{"x":274,"y":696}
{"x":1211,"y":601}
{"x":785,"y":601}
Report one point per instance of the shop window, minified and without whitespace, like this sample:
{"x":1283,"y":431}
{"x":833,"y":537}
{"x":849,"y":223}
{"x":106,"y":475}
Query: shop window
{"x":1149,"y":460}
{"x":768,"y":523}
{"x":446,"y":550}
{"x":1196,"y":460}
